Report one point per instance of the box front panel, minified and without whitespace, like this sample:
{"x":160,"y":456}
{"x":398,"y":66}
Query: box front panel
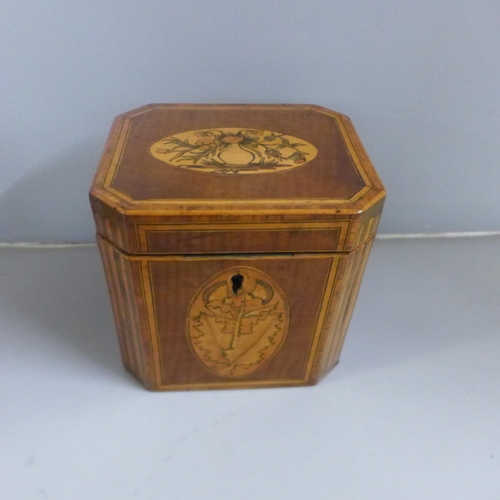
{"x":236,"y":320}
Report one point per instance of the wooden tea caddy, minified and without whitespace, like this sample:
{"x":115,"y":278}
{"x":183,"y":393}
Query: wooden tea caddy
{"x":234,"y":239}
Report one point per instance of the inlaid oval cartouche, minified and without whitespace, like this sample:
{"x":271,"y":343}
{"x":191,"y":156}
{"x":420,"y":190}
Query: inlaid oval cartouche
{"x":237,"y":321}
{"x":234,"y":151}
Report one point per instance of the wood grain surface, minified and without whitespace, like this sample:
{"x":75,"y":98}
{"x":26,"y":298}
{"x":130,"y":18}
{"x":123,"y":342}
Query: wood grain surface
{"x":133,"y":189}
{"x":234,"y":240}
{"x":153,"y":299}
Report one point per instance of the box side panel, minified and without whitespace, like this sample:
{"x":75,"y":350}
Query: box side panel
{"x":123,"y":280}
{"x":333,"y":355}
{"x":339,"y":314}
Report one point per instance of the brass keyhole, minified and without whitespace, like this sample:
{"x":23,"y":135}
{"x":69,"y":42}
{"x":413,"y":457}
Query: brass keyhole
{"x":237,"y":281}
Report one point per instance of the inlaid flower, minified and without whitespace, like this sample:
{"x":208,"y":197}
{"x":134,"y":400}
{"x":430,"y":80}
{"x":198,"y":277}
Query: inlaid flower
{"x":232,"y":139}
{"x":205,"y":141}
{"x":252,"y":134}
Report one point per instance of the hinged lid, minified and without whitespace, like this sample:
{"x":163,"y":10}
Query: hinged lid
{"x":235,"y":178}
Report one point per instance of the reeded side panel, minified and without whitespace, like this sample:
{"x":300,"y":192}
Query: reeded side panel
{"x":119,"y":276}
{"x":341,"y":309}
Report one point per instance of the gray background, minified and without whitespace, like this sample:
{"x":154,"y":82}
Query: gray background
{"x":420,"y":80}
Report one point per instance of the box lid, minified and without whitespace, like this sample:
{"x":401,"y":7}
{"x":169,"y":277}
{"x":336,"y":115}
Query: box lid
{"x":249,"y":164}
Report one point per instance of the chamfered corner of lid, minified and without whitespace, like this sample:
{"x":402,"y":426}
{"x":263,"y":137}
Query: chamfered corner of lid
{"x":374,"y":190}
{"x":326,"y":111}
{"x":101,"y":188}
{"x":375,"y":197}
{"x":127,"y":115}
{"x":145,"y":109}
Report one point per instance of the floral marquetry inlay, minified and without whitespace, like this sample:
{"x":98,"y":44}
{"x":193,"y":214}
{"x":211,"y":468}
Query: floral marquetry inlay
{"x":234,"y":151}
{"x":237,"y":321}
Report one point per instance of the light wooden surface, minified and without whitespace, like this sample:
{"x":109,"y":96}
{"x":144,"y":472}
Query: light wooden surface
{"x":197,"y":177}
{"x":335,"y":195}
{"x":411,"y":412}
{"x":153,"y":295}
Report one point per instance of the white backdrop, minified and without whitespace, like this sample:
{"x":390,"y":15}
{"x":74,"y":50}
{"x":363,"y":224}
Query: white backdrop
{"x":420,"y":79}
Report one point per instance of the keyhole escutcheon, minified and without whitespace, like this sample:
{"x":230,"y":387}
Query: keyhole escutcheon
{"x":237,"y":281}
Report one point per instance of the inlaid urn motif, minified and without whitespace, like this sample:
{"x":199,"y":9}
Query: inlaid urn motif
{"x":234,"y":151}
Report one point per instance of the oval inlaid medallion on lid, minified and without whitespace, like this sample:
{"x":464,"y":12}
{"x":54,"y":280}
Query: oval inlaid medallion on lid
{"x":234,"y":151}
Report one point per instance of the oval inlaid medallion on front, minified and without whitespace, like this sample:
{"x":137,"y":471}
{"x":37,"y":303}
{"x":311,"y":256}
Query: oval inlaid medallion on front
{"x":237,"y":321}
{"x":234,"y":151}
